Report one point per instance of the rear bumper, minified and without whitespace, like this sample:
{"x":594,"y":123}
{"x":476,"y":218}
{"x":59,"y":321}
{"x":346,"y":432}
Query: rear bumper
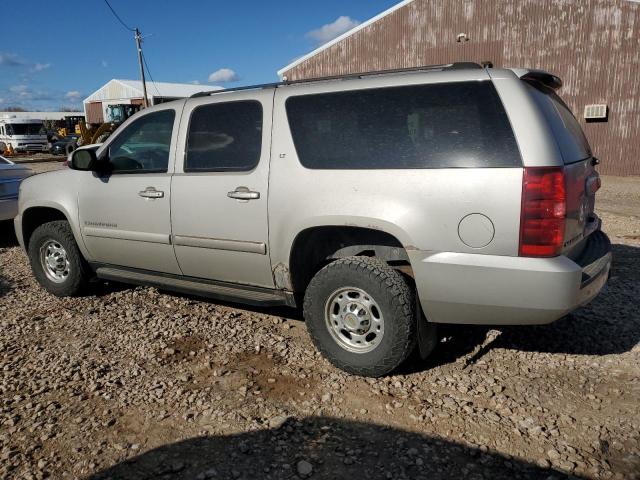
{"x":496,"y":290}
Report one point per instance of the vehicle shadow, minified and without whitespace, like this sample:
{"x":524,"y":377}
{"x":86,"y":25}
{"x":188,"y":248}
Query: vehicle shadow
{"x":323,"y":448}
{"x":7,"y":235}
{"x":7,"y":240}
{"x":5,"y":285}
{"x":608,"y":325}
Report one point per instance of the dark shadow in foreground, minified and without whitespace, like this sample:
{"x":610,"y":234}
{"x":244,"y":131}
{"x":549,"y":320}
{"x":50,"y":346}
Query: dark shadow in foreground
{"x":326,"y":449}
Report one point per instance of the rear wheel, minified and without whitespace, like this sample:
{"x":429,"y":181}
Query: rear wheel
{"x":56,"y":261}
{"x":360,"y":313}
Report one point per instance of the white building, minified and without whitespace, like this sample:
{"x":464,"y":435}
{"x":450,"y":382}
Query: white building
{"x":41,"y":115}
{"x":116,"y":92}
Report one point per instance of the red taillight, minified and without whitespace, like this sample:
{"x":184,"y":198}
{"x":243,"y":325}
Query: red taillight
{"x":544,"y":209}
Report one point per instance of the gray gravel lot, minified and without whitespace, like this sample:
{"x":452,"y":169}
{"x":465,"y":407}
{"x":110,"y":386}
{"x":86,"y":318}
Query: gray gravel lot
{"x":134,"y":383}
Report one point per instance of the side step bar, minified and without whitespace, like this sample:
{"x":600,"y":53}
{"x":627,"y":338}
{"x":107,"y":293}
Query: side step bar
{"x":206,"y":288}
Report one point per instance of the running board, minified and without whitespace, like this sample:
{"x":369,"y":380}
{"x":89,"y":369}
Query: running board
{"x":205,"y":288}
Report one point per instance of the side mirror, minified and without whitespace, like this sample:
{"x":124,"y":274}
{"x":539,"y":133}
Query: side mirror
{"x":84,"y":159}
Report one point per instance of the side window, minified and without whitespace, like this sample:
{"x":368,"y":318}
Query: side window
{"x":143,"y":147}
{"x":567,"y":131}
{"x":454,"y":125}
{"x":224,"y":137}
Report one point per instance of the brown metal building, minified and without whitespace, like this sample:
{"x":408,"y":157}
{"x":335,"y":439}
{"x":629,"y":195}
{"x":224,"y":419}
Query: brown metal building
{"x":593,"y":45}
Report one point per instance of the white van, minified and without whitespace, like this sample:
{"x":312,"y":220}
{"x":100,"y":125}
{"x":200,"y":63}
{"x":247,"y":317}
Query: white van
{"x":23,"y":134}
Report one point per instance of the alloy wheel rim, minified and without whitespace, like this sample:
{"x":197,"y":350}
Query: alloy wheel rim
{"x":54,"y":261}
{"x":354,"y":320}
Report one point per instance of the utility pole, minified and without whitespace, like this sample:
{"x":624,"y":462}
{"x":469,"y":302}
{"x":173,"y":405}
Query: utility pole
{"x":145,"y":101}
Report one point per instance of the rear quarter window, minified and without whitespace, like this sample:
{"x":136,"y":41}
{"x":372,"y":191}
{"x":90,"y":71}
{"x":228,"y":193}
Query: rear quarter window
{"x":567,"y":132}
{"x":455,"y":125}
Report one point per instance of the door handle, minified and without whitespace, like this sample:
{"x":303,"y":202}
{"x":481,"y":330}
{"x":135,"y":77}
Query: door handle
{"x":243,"y":193}
{"x":151,"y":192}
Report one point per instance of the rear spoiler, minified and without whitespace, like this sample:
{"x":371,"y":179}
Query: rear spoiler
{"x":548,"y":79}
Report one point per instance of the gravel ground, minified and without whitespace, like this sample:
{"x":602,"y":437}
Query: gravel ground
{"x":134,"y":383}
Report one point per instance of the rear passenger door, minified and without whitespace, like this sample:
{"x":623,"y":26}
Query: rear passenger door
{"x":219,"y":191}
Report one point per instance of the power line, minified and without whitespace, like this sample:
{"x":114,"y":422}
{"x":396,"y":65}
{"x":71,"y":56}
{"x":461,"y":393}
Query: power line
{"x":138,"y":39}
{"x":144,"y":59}
{"x":118,"y":17}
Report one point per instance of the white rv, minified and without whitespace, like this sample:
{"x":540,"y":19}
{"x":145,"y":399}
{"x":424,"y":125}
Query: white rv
{"x":23,"y":134}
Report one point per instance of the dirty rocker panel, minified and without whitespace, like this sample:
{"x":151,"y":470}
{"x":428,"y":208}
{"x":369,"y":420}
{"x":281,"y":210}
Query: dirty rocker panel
{"x":196,"y":286}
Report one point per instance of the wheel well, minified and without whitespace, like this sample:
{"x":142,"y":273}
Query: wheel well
{"x":36,"y":216}
{"x":316,"y":247}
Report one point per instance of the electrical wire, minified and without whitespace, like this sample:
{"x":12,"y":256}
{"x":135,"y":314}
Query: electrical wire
{"x":144,"y":59}
{"x":118,"y":17}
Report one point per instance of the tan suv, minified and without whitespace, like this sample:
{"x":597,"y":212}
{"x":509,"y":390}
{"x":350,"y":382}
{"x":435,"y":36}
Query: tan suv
{"x":384,"y":204}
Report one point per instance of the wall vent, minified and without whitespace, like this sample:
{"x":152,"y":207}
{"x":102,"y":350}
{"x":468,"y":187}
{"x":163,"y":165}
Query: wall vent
{"x":595,"y":112}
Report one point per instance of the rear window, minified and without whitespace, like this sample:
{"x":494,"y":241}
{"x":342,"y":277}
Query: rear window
{"x":455,"y":125}
{"x":569,"y":136}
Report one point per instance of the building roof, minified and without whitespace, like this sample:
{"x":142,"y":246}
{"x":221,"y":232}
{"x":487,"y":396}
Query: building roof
{"x":117,"y":88}
{"x":39,"y":115}
{"x":348,"y":33}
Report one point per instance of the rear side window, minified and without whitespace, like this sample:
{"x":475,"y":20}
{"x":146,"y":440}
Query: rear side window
{"x":224,"y":137}
{"x":569,"y":136}
{"x":453,"y":125}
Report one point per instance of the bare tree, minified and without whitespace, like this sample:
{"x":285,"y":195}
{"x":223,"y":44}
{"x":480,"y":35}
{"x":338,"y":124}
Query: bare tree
{"x":15,"y":109}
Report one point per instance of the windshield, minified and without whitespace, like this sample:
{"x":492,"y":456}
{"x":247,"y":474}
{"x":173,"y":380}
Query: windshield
{"x":4,"y":161}
{"x":26,"y":129}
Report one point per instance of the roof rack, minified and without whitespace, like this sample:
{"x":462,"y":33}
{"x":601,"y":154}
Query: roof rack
{"x":236,"y":89}
{"x":351,"y":76}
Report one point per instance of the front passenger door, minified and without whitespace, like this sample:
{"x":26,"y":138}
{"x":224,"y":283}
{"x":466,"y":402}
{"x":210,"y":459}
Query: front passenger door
{"x":125,"y":212}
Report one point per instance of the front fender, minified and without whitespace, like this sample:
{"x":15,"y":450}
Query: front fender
{"x":53,"y":190}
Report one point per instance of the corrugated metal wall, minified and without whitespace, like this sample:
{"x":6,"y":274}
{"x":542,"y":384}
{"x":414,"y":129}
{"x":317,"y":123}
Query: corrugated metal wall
{"x":592,"y":44}
{"x":94,"y":112}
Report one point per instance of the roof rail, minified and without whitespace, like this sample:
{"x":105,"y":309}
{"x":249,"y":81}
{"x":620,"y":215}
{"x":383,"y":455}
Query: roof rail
{"x":236,"y":89}
{"x":425,"y":68}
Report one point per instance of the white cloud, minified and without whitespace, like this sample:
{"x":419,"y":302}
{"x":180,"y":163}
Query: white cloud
{"x":10,"y":60}
{"x":195,"y":82}
{"x":38,"y":67}
{"x":104,"y":64}
{"x":73,"y":95}
{"x":21,"y":91}
{"x":330,"y":31}
{"x":18,"y":88}
{"x":224,"y":75}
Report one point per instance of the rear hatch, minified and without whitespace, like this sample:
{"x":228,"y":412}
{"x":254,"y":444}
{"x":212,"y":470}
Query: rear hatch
{"x":581,"y":179}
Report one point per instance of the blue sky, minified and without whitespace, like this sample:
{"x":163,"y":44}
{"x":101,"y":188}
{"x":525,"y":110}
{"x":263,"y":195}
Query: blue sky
{"x":54,"y":55}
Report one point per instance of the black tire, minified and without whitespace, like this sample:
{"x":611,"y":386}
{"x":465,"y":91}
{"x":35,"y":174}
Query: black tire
{"x":395,"y":298}
{"x":78,"y":271}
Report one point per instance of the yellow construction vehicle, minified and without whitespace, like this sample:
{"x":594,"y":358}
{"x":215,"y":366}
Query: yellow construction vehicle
{"x":71,"y":125}
{"x":116,"y":115}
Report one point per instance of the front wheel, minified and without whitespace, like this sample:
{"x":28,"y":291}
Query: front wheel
{"x":56,"y":261}
{"x":360,"y":313}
